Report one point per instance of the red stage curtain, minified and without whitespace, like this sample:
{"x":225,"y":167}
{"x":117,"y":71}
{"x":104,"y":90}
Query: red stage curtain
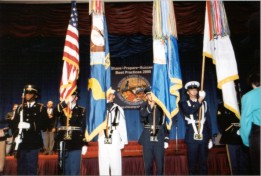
{"x":31,"y":20}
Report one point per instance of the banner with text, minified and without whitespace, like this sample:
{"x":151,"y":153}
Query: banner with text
{"x":129,"y":83}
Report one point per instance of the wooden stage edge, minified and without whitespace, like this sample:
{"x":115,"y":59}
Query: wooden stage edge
{"x":132,"y":160}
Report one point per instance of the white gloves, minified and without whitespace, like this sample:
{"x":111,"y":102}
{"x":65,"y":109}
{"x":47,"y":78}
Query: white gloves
{"x":238,"y":132}
{"x":69,"y":100}
{"x":202,"y":94}
{"x":121,"y":145}
{"x":18,"y":139}
{"x":210,"y":144}
{"x":166,"y":145}
{"x":23,"y":125}
{"x":84,"y":149}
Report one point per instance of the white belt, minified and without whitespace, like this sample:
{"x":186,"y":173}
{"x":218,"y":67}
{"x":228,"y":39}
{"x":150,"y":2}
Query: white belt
{"x":193,"y":122}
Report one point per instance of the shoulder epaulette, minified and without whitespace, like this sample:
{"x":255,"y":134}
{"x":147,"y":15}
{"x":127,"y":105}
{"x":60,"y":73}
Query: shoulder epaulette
{"x":83,"y":109}
{"x":41,"y":106}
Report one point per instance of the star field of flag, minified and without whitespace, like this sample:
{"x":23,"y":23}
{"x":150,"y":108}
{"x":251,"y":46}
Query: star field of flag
{"x":74,"y":15}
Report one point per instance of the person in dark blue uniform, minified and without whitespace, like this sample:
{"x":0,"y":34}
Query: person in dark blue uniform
{"x":198,"y":130}
{"x":71,"y":132}
{"x":155,"y":136}
{"x":35,"y":119}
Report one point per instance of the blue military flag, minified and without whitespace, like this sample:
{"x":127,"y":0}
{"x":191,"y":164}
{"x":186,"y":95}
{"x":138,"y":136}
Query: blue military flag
{"x":100,"y":77}
{"x":166,"y":78}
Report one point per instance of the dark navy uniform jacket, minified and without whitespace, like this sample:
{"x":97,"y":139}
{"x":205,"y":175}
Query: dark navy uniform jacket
{"x":193,"y":108}
{"x":38,"y":118}
{"x":77,"y":120}
{"x":146,"y":116}
{"x":228,"y":125}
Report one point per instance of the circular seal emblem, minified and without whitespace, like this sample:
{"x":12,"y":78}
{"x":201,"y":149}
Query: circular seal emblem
{"x":130,"y":89}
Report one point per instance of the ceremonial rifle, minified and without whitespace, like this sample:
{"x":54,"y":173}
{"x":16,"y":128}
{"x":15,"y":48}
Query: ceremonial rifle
{"x":153,"y":136}
{"x":19,"y":137}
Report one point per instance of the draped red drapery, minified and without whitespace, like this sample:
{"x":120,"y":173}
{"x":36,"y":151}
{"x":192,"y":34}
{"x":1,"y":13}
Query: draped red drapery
{"x":45,"y":20}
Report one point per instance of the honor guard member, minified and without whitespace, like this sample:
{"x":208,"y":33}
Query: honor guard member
{"x":34,"y":119}
{"x":71,"y":133}
{"x":155,"y":136}
{"x":198,"y":131}
{"x":112,"y":139}
{"x":228,"y":125}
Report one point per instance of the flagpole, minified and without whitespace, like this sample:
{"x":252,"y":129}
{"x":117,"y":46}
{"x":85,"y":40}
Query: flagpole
{"x":202,"y":73}
{"x":201,"y":88}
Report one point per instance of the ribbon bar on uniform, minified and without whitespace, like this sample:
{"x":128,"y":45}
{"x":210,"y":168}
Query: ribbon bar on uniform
{"x":151,"y":126}
{"x":69,"y":128}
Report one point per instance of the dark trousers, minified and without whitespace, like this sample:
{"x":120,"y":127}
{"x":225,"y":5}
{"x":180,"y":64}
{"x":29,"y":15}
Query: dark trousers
{"x":27,"y":162}
{"x":197,"y":158}
{"x":73,"y":162}
{"x":151,"y":153}
{"x":239,"y":157}
{"x":254,"y":149}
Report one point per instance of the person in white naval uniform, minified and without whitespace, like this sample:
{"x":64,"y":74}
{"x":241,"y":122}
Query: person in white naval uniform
{"x":112,"y":139}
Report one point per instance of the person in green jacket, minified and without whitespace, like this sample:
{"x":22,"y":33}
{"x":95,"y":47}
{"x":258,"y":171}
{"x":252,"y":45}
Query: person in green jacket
{"x":250,"y":121}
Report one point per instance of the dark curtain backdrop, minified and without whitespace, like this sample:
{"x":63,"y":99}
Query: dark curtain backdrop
{"x":32,"y":41}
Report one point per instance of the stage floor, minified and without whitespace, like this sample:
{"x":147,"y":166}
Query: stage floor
{"x":132,"y":161}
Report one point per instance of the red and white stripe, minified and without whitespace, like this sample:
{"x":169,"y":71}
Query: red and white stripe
{"x":71,"y":63}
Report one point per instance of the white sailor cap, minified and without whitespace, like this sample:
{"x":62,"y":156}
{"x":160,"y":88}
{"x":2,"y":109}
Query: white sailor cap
{"x":192,"y":85}
{"x":110,"y":91}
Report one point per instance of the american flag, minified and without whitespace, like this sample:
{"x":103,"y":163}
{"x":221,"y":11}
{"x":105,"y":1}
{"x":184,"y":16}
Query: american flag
{"x":70,"y":57}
